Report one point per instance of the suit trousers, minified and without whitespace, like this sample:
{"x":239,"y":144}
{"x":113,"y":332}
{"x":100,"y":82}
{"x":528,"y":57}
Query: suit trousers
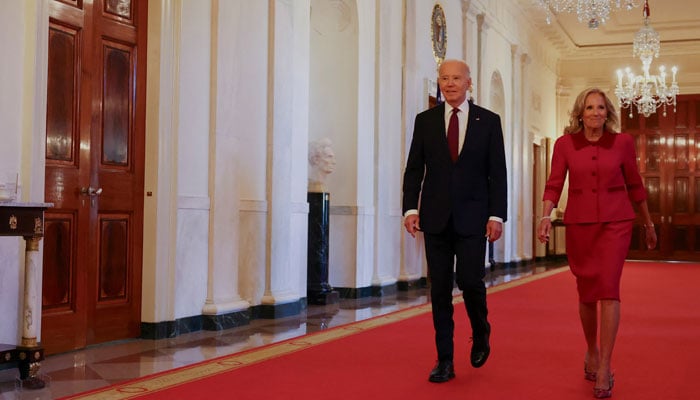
{"x":469,"y":251}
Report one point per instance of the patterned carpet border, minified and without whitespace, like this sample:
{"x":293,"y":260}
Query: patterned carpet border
{"x":204,"y":369}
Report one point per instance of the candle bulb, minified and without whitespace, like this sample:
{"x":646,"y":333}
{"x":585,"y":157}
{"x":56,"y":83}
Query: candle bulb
{"x":619,"y":77}
{"x":662,"y":70}
{"x":674,"y":70}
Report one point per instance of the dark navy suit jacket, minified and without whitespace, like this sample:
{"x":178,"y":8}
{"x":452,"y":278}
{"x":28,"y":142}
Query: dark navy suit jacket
{"x":470,"y":189}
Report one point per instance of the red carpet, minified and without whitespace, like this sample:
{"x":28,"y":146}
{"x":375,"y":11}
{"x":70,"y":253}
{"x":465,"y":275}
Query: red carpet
{"x":537,"y":351}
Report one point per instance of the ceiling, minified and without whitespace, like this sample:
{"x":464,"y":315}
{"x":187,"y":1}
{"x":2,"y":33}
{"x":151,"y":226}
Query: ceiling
{"x":677,"y":21}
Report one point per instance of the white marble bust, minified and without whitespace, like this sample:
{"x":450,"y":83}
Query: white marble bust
{"x":321,"y":164}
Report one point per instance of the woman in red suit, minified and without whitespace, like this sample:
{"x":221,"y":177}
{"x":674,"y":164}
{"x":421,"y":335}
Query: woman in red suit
{"x":603,"y":183}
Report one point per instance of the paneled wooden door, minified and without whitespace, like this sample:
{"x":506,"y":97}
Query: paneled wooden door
{"x":668,"y":150}
{"x":94,"y":172}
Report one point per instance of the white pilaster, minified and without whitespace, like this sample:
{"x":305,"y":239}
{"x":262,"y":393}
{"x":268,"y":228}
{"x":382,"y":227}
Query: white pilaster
{"x":413,"y":263}
{"x":298,"y":234}
{"x":224,"y":219}
{"x":516,"y":190}
{"x":465,"y":27}
{"x":525,"y":200}
{"x":366,"y":130}
{"x":282,"y":275}
{"x":160,"y":210}
{"x":387,"y":165}
{"x":482,"y":27}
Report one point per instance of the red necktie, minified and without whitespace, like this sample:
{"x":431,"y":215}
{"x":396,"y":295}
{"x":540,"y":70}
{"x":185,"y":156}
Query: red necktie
{"x":453,"y":135}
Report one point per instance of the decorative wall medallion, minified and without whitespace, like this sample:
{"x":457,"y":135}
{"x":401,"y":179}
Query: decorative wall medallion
{"x":13,"y":222}
{"x":438,"y":33}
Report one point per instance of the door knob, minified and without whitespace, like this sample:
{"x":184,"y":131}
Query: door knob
{"x":90,"y":191}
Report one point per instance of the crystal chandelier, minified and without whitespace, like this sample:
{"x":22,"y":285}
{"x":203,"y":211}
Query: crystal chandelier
{"x":647,"y":92}
{"x":593,"y":12}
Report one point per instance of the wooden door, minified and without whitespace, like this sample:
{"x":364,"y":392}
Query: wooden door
{"x":94,"y":172}
{"x":668,"y":154}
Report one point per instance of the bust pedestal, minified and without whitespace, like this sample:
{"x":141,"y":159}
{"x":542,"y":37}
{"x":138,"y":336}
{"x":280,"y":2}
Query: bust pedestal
{"x":318,"y":291}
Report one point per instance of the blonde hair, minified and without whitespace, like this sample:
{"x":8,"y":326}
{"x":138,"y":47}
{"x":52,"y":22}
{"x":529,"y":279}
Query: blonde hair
{"x":575,"y":125}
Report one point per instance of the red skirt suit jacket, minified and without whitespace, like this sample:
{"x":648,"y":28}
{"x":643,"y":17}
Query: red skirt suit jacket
{"x":603,"y":178}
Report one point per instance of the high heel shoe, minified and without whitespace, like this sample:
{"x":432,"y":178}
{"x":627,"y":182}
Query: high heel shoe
{"x":588,"y":375}
{"x":600,"y":393}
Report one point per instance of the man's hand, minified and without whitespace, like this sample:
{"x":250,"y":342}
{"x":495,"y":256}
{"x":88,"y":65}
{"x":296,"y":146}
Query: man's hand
{"x":411,"y":223}
{"x":544,"y":230}
{"x":494,"y":229}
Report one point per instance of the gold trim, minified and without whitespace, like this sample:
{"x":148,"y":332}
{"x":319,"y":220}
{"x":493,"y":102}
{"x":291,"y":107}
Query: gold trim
{"x":32,"y":243}
{"x":29,"y":342}
{"x":38,"y":226}
{"x":34,"y":369}
{"x":245,"y":358}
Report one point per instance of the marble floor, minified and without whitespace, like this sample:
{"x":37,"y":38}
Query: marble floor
{"x":116,"y":362}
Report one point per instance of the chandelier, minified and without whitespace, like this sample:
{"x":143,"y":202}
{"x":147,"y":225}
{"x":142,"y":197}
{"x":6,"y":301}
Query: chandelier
{"x":593,"y":12}
{"x":646,"y":92}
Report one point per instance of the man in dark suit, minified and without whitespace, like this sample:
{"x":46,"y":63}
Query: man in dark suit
{"x":456,"y":167}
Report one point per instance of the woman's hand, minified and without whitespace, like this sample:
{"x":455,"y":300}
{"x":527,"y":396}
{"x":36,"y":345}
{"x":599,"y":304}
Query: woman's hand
{"x":650,"y":236}
{"x":544,"y":229}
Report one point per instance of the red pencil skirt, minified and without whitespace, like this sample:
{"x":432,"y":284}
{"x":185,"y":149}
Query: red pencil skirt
{"x":596,"y":253}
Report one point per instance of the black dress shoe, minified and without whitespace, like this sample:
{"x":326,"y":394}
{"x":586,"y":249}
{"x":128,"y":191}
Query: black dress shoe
{"x":480,"y":349}
{"x":443,"y":372}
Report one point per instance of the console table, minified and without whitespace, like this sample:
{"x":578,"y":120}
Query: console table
{"x":26,"y":220}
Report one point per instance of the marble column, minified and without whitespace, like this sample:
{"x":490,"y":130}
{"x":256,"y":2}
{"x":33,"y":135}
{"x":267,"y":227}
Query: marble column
{"x":318,"y":290}
{"x":28,"y":352}
{"x":32,"y":286}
